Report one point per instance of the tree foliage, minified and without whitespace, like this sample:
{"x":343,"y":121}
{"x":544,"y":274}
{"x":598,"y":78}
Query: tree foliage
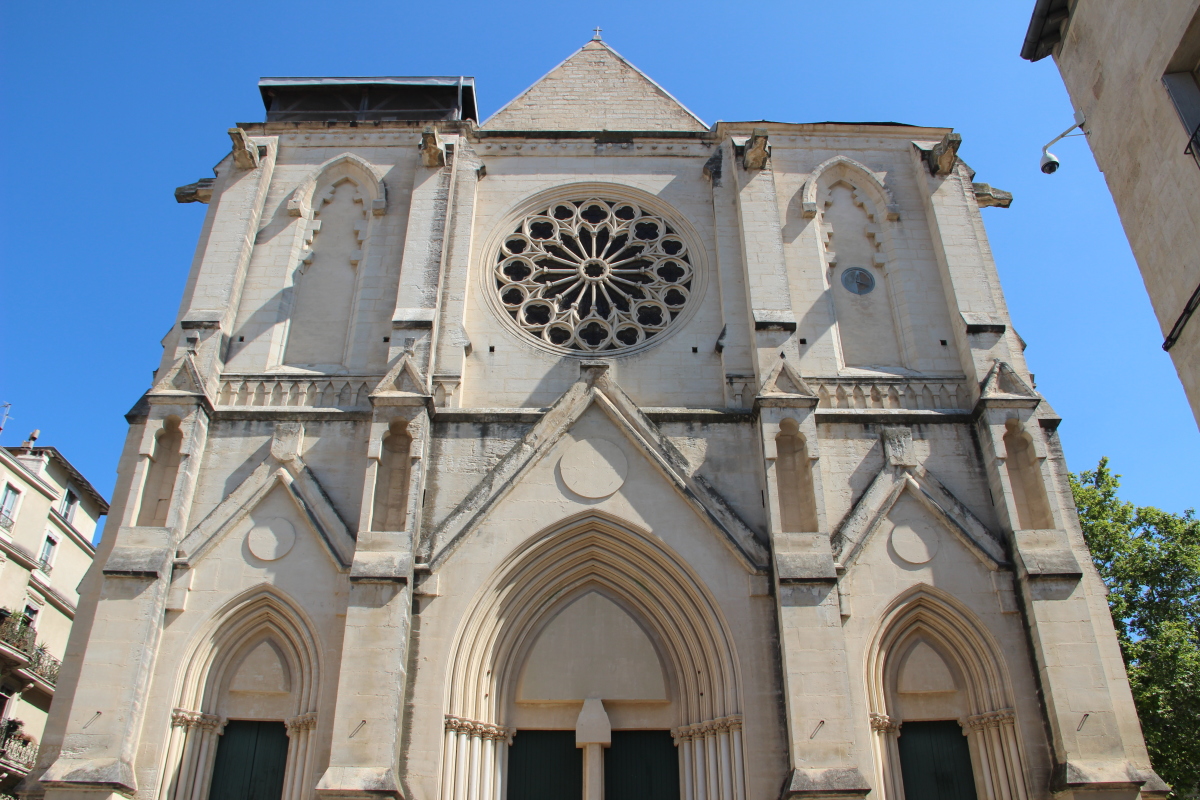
{"x":1150,"y":561}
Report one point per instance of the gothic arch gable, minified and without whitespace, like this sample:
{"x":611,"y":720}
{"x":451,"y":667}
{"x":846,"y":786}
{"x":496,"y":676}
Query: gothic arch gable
{"x":300,"y":204}
{"x":298,"y":481}
{"x":857,"y":175}
{"x":597,"y":387}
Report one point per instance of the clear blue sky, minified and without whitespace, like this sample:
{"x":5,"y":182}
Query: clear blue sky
{"x":109,"y":106}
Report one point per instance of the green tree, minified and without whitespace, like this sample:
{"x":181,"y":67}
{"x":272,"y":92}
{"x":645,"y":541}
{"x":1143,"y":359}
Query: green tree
{"x":1150,"y":561}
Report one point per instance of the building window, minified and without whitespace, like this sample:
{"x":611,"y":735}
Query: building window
{"x":46,"y":558}
{"x":6,"y":702}
{"x":70,"y":502}
{"x":1182,"y":80}
{"x":8,"y":506}
{"x":593,"y":275}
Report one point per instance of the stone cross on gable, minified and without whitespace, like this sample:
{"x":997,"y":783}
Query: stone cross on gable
{"x":597,"y":30}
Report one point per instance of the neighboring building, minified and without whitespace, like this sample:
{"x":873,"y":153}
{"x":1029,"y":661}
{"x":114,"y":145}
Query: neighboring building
{"x":590,"y":447}
{"x":48,"y":518}
{"x":1132,"y":67}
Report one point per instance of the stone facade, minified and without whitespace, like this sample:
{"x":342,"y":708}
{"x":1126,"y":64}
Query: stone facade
{"x":48,"y":517}
{"x":592,"y":418}
{"x":1132,"y":69}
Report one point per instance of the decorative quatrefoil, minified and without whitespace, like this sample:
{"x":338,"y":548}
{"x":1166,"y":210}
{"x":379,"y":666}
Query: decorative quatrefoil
{"x":593,"y":275}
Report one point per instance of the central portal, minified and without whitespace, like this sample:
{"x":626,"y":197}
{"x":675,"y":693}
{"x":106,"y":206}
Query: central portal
{"x":547,"y":765}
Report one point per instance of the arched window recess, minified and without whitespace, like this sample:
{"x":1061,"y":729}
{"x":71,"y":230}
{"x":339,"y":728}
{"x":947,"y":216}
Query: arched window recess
{"x":332,"y":172}
{"x":883,"y":204}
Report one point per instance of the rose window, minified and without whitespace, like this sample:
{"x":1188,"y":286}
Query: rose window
{"x":593,"y":275}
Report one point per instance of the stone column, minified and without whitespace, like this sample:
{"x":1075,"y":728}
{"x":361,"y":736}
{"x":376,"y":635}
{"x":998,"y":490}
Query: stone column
{"x":474,"y":760}
{"x":191,"y":754}
{"x":887,"y":755}
{"x":299,"y":759}
{"x":711,"y":761}
{"x":593,"y":732}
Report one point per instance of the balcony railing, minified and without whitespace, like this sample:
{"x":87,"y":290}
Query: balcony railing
{"x":45,"y":566}
{"x":15,"y":749}
{"x":45,"y":665}
{"x":16,"y":632}
{"x":1193,"y":148}
{"x":6,"y":522}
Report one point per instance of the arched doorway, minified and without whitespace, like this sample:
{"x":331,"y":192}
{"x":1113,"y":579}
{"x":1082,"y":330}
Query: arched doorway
{"x":594,"y":611}
{"x":941,"y":705}
{"x":247,"y":705}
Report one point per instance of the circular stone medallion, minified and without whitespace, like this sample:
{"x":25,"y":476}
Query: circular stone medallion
{"x":593,"y":468}
{"x":272,"y":539}
{"x":915,"y":545}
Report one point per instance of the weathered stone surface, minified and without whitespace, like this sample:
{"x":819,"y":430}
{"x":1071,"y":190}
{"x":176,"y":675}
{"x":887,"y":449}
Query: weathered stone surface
{"x":409,"y":520}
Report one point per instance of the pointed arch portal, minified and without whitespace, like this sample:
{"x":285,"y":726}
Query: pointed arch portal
{"x":929,"y":626}
{"x":594,"y":553}
{"x":263,"y":630}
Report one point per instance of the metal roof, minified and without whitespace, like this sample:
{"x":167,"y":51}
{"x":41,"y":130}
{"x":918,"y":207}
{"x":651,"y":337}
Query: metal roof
{"x":465,"y":84}
{"x":419,"y":80}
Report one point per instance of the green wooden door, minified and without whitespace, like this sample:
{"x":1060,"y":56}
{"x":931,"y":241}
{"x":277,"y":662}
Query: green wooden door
{"x":251,"y":759}
{"x":935,"y":761}
{"x":544,"y":765}
{"x":641,"y":765}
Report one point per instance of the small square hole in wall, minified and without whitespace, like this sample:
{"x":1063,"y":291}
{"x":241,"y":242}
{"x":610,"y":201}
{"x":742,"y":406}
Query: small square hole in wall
{"x":387,"y":338}
{"x":804,"y":341}
{"x":241,"y":338}
{"x":491,"y":348}
{"x":695,"y":349}
{"x":943,"y":341}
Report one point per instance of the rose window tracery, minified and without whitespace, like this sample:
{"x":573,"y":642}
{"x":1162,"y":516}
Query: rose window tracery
{"x":593,"y":275}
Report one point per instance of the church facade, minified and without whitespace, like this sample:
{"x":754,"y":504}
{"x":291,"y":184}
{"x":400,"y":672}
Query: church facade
{"x":591,"y":451}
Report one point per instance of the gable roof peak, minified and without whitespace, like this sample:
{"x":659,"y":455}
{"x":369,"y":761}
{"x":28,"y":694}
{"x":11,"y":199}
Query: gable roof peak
{"x":595,"y":88}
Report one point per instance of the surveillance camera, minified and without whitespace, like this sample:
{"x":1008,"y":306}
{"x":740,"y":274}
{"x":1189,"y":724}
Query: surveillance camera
{"x":1049,"y":163}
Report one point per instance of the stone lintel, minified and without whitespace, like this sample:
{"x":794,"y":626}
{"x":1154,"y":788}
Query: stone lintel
{"x":802,"y":558}
{"x":813,"y":784}
{"x":138,"y":561}
{"x":381,"y":568}
{"x":91,"y":774}
{"x":403,"y":318}
{"x":1105,"y":776}
{"x":1046,"y":554}
{"x":978,"y":322}
{"x":355,"y":783}
{"x":202,"y":319}
{"x":383,"y":557}
{"x":766,"y":319}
